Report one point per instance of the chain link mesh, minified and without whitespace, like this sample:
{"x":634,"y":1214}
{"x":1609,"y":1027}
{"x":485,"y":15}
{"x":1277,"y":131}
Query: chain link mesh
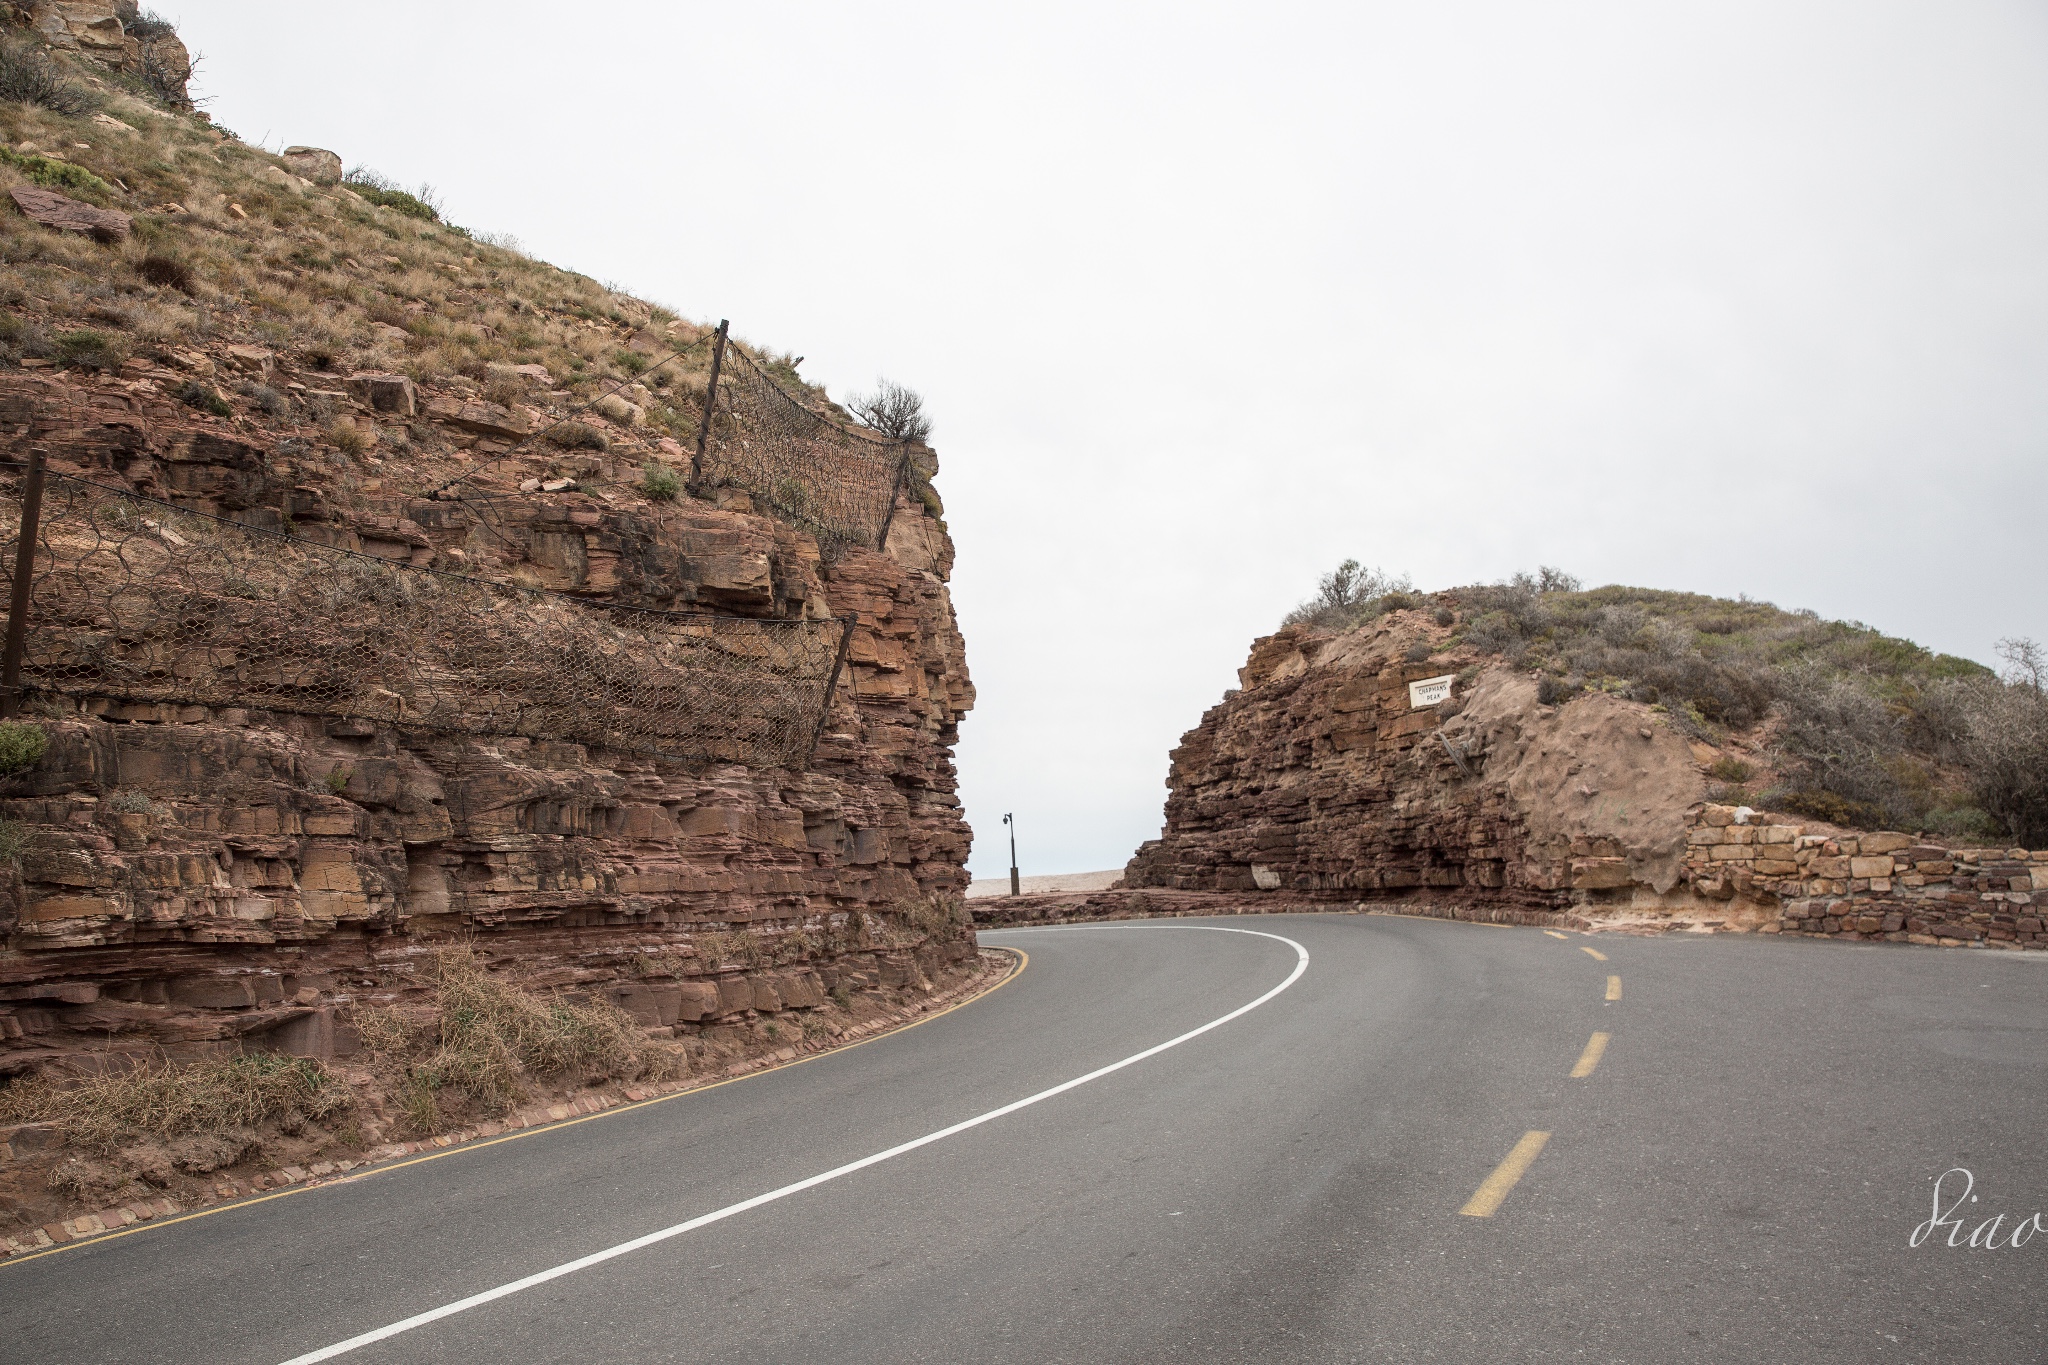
{"x":140,"y":600}
{"x":838,"y":483}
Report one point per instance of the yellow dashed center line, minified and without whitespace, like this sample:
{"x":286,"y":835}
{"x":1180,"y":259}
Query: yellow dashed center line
{"x":1614,"y":988}
{"x":1596,"y":954}
{"x":1495,"y":1187}
{"x":1590,"y":1058}
{"x":1554,"y":934}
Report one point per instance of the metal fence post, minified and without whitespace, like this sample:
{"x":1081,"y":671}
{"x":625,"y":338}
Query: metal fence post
{"x":710,"y":403}
{"x":24,"y":581}
{"x":895,"y":491}
{"x":832,"y":683}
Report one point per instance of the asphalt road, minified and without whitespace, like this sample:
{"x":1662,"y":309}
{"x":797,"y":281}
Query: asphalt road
{"x":1737,"y":1178}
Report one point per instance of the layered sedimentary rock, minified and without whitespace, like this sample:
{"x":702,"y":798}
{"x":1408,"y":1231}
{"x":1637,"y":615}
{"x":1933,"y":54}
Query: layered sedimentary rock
{"x":1321,"y":776}
{"x":1326,"y":776}
{"x":196,"y":878}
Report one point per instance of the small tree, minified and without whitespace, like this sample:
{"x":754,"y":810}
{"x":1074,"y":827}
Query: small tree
{"x":893,"y":410}
{"x":2005,"y":745}
{"x":1346,"y":595}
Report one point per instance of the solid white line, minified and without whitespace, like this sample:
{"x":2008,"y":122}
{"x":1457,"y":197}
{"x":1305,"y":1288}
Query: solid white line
{"x":702,"y":1220}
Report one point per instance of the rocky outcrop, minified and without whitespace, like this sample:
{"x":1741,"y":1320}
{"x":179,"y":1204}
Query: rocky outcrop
{"x":1323,"y":775}
{"x":117,"y":37}
{"x":197,"y":879}
{"x":53,"y":210}
{"x":1333,"y":774}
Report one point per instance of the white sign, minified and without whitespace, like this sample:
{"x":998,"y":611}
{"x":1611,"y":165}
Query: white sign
{"x":1429,"y":691}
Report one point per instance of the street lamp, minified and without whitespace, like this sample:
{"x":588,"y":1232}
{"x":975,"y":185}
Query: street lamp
{"x":1011,"y":821}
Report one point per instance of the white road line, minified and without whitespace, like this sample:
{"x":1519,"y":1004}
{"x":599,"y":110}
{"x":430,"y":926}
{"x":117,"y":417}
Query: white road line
{"x":702,"y":1220}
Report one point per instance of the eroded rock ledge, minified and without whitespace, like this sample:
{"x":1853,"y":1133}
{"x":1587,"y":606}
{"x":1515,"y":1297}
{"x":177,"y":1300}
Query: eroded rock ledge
{"x":1321,"y":780}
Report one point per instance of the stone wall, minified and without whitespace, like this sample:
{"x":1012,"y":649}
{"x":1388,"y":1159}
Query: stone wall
{"x":201,"y":879}
{"x":1832,"y":883}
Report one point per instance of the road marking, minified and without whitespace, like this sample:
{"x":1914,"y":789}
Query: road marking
{"x":719,"y":1215}
{"x":466,"y":1148}
{"x":1598,"y":956}
{"x":1614,"y":988}
{"x":1554,"y":934}
{"x":1590,"y":1058}
{"x":1495,"y":1187}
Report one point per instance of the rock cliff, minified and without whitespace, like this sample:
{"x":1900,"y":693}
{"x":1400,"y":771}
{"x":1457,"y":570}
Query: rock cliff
{"x":1335,"y":773}
{"x":285,"y":353}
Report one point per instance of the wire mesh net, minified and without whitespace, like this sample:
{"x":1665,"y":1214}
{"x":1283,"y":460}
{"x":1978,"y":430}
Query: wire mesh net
{"x":835,"y":482}
{"x":140,"y":600}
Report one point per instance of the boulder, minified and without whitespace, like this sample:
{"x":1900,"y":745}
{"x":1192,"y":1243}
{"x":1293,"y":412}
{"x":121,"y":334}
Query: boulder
{"x":252,"y":360}
{"x":486,"y":419}
{"x":316,"y":164}
{"x":392,"y":393}
{"x":65,"y":214}
{"x":282,"y":178}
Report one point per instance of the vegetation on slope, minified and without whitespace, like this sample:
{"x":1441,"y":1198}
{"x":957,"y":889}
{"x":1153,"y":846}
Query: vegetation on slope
{"x":1856,"y":727}
{"x":229,"y":246}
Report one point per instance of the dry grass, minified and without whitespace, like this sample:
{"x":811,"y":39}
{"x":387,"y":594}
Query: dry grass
{"x":735,"y":948}
{"x":935,"y":916}
{"x":115,"y":1109}
{"x":480,"y":1042}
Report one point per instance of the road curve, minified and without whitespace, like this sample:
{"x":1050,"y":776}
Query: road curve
{"x":1438,"y":1142}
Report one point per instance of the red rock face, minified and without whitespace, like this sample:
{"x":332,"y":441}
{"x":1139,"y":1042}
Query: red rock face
{"x":199,"y":878}
{"x":1323,"y":777}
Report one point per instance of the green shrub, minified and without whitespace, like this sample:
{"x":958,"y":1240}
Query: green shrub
{"x":660,"y":483}
{"x":89,"y":350}
{"x":22,"y":745}
{"x":1727,"y":769}
{"x":13,"y":842}
{"x":380,"y":190}
{"x":194,"y":394}
{"x":53,"y":174}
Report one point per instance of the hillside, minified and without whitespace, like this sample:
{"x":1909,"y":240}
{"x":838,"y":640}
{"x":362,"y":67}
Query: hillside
{"x":1828,"y":719}
{"x":425,"y":712}
{"x":1618,"y":755}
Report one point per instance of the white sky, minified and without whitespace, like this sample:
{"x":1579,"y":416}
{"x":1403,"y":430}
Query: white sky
{"x":1734,"y":298}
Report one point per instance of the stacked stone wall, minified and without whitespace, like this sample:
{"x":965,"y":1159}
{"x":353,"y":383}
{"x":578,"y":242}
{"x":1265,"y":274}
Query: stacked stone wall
{"x":1855,"y":886}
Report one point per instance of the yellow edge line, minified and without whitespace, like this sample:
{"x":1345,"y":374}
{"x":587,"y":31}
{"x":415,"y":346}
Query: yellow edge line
{"x":1597,"y":955}
{"x":1590,"y":1058}
{"x":1614,"y":988}
{"x":1023,"y":961}
{"x":1495,"y":1187}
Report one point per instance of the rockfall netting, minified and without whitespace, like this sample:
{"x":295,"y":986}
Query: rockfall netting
{"x":838,"y":483}
{"x":139,"y":600}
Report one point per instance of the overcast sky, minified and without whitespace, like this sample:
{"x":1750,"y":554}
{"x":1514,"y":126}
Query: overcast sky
{"x":1734,"y":298}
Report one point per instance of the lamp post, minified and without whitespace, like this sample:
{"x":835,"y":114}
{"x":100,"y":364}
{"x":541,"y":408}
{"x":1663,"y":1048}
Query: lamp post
{"x":1012,"y":823}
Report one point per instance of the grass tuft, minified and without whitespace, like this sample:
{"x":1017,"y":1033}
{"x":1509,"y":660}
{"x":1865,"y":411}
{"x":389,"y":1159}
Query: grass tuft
{"x":108,"y":1111}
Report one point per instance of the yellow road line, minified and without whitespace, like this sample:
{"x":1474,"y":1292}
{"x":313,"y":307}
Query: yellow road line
{"x":1023,"y":961}
{"x":1495,"y":1187}
{"x":1590,"y":1058}
{"x":1554,"y":934}
{"x":1598,"y":956}
{"x":1614,"y":988}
